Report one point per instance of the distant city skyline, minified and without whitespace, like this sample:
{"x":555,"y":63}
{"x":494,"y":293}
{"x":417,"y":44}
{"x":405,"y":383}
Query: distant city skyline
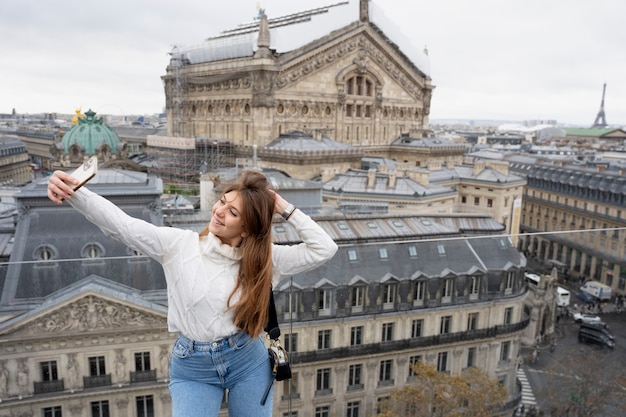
{"x":521,"y":61}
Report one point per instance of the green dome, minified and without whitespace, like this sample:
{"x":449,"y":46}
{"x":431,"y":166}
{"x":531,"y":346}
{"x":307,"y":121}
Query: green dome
{"x":90,"y":133}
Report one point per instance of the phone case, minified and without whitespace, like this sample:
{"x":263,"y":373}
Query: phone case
{"x":85,"y":172}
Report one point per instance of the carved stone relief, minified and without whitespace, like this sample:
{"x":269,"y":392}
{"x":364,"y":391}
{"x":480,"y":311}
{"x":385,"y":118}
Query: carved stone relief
{"x":90,"y":314}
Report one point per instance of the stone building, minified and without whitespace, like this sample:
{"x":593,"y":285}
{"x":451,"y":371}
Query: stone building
{"x":477,"y":186}
{"x":14,"y":162}
{"x":585,"y":208}
{"x":343,"y":70}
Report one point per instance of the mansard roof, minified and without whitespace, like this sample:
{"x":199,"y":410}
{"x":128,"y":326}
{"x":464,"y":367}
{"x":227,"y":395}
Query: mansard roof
{"x":428,"y":259}
{"x":55,"y":247}
{"x":356,"y":181}
{"x":297,"y":141}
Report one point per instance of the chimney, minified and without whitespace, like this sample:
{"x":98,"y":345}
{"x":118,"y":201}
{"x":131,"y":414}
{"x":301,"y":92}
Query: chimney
{"x":371,"y":178}
{"x":392,"y":179}
{"x":479,"y":166}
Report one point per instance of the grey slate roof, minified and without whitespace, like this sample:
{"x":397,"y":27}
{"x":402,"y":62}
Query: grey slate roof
{"x":299,"y":141}
{"x":66,"y":234}
{"x":356,"y":182}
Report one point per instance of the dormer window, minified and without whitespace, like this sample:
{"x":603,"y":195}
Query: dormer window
{"x":45,"y":253}
{"x":92,"y":251}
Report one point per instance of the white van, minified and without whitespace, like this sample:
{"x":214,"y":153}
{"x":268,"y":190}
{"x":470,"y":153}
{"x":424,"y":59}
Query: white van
{"x":562,"y":296}
{"x":532,"y":279}
{"x":597,"y":289}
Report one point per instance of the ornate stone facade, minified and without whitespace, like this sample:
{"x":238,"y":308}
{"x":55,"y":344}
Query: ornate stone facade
{"x":354,"y":84}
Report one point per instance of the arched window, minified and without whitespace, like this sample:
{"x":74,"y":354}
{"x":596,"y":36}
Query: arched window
{"x":359,"y":96}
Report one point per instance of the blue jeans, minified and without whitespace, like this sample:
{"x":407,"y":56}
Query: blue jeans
{"x":200,"y":372}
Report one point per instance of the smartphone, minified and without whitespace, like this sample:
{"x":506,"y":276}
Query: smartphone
{"x":85,"y":172}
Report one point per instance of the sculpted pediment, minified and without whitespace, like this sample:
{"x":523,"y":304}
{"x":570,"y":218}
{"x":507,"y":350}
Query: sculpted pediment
{"x":364,"y":52}
{"x":90,"y":313}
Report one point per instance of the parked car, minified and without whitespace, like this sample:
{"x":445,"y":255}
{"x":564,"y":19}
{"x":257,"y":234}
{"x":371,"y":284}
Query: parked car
{"x":600,"y":328}
{"x":591,"y":336}
{"x":585,"y":297}
{"x":586,"y":318}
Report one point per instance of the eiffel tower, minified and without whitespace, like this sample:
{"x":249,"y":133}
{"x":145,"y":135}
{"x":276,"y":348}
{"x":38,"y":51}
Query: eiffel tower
{"x":600,"y":119}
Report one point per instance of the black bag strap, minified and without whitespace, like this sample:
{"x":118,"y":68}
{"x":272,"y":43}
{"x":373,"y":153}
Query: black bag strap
{"x":272,"y":320}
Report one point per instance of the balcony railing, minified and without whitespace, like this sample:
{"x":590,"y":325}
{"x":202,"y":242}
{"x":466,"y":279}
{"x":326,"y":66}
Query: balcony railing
{"x":97,"y":381}
{"x":405,"y":344}
{"x":143,"y":376}
{"x":45,"y":387}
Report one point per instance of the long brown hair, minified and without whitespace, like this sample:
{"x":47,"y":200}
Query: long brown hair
{"x":255,"y":270}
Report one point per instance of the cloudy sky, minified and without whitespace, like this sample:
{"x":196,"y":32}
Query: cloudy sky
{"x":490,"y":59}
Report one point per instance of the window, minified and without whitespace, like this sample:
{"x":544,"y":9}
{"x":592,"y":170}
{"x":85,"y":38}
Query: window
{"x":471,"y":357}
{"x":292,"y":300}
{"x":356,"y":335}
{"x":92,"y":250}
{"x":353,"y":409}
{"x":145,"y":406}
{"x":323,"y":379}
{"x":358,"y":296}
{"x":510,"y":280}
{"x":412,"y":361}
{"x":442,"y":361}
{"x":323,"y":411}
{"x":508,"y":315}
{"x":352,"y":255}
{"x":389,"y":295}
{"x":505,"y":351}
{"x":100,"y":409}
{"x":52,"y":412}
{"x":45,"y":253}
{"x":354,"y":376}
{"x":382,"y":253}
{"x":412,"y":251}
{"x":489,"y":202}
{"x":291,"y":342}
{"x":446,"y":292}
{"x":96,"y":366}
{"x":477,"y":201}
{"x":382,"y":404}
{"x":384,"y":376}
{"x":49,"y":371}
{"x":142,"y":361}
{"x":324,"y":302}
{"x":387,"y":335}
{"x":472,"y":321}
{"x":474,"y":287}
{"x":416,"y":327}
{"x":290,"y":386}
{"x":441,"y":249}
{"x":419,"y":290}
{"x":446,"y":324}
{"x":323,"y":339}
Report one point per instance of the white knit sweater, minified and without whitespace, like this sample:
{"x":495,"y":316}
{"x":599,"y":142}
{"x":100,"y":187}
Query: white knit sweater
{"x":201,"y":271}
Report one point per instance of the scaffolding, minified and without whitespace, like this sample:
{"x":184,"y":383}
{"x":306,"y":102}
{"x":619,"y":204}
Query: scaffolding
{"x":180,"y":162}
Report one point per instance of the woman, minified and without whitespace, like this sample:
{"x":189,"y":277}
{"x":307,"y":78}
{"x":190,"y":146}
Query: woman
{"x":218,"y":285}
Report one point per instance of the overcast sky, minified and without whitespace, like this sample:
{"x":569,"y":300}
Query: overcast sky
{"x":490,"y":59}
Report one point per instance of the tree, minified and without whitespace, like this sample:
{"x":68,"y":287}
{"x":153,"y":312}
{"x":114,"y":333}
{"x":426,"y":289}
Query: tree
{"x":437,"y":394}
{"x":584,"y":388}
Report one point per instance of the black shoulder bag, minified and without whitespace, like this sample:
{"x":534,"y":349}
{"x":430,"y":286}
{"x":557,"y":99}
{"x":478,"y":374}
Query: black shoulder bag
{"x":279,"y":361}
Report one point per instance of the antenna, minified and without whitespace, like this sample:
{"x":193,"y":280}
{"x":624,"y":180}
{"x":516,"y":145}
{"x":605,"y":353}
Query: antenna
{"x":600,"y":119}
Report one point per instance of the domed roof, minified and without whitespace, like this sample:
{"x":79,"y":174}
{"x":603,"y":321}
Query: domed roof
{"x":90,"y":133}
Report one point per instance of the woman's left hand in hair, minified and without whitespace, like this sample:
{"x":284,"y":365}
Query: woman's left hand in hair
{"x":280,"y":204}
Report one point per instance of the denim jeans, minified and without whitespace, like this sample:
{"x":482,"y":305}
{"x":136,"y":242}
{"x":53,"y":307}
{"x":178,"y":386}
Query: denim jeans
{"x":200,"y":372}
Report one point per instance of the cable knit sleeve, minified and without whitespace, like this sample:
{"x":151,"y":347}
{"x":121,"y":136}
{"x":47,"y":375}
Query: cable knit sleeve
{"x":151,"y":240}
{"x":317,"y":247}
